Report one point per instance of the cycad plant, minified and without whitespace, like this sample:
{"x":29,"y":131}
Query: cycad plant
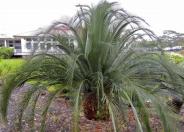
{"x":103,"y":69}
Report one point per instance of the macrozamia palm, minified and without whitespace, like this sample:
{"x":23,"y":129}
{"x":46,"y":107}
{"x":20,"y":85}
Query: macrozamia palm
{"x":102,"y":68}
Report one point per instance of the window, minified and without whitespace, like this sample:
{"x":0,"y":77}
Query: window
{"x":35,"y":39}
{"x":42,"y":39}
{"x":17,"y":41}
{"x":35,"y":46}
{"x":42,"y":46}
{"x":48,"y":39}
{"x":28,"y":45}
{"x":10,"y":41}
{"x":28,"y":39}
{"x":1,"y":41}
{"x":48,"y":46}
{"x":1,"y":45}
{"x":54,"y":46}
{"x":17,"y":46}
{"x":10,"y":45}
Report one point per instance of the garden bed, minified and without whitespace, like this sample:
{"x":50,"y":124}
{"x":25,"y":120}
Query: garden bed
{"x":59,"y":117}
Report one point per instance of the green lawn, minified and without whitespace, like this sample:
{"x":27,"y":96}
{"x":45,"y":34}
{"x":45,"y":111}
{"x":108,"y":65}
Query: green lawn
{"x":8,"y":66}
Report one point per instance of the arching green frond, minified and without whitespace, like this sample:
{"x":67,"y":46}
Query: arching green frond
{"x":47,"y":105}
{"x":24,"y":103}
{"x":76,"y":112}
{"x":135,"y":112}
{"x":32,"y":111}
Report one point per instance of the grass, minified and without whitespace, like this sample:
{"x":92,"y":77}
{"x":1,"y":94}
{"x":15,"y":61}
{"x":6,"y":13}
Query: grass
{"x":8,"y":66}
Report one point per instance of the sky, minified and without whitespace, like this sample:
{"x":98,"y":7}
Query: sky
{"x":19,"y":16}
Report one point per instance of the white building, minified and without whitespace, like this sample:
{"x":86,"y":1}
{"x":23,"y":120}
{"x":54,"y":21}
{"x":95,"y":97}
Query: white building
{"x":28,"y":43}
{"x":9,"y":41}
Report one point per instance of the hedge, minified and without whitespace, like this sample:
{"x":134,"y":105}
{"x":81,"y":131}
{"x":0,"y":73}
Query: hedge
{"x":176,"y":58}
{"x":6,"y":53}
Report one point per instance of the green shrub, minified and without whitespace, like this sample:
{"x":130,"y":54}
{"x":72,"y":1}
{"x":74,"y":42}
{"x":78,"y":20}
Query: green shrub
{"x":176,"y":58}
{"x":6,"y":53}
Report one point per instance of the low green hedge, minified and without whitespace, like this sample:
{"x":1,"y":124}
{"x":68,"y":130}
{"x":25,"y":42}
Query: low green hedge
{"x":6,"y":53}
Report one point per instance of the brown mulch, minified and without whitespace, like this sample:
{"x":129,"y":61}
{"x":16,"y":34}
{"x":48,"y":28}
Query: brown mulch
{"x":59,"y":118}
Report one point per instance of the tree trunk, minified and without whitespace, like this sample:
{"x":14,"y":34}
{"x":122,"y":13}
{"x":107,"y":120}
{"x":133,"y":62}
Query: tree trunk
{"x":90,"y":107}
{"x":176,"y":104}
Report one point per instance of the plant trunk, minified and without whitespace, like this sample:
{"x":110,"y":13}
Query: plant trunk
{"x":176,"y":104}
{"x":90,"y":107}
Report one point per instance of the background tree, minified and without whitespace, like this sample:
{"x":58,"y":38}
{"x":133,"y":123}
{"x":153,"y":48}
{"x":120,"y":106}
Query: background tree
{"x":172,"y":38}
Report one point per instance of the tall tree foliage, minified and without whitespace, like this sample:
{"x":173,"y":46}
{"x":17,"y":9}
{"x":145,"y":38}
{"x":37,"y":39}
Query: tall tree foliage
{"x":102,"y":65}
{"x":172,"y":38}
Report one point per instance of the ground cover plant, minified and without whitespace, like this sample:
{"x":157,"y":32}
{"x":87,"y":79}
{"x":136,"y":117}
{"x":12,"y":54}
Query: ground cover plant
{"x":103,"y":71}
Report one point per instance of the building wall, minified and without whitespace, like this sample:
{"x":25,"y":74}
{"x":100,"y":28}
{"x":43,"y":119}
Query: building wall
{"x":12,"y":43}
{"x":27,"y":45}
